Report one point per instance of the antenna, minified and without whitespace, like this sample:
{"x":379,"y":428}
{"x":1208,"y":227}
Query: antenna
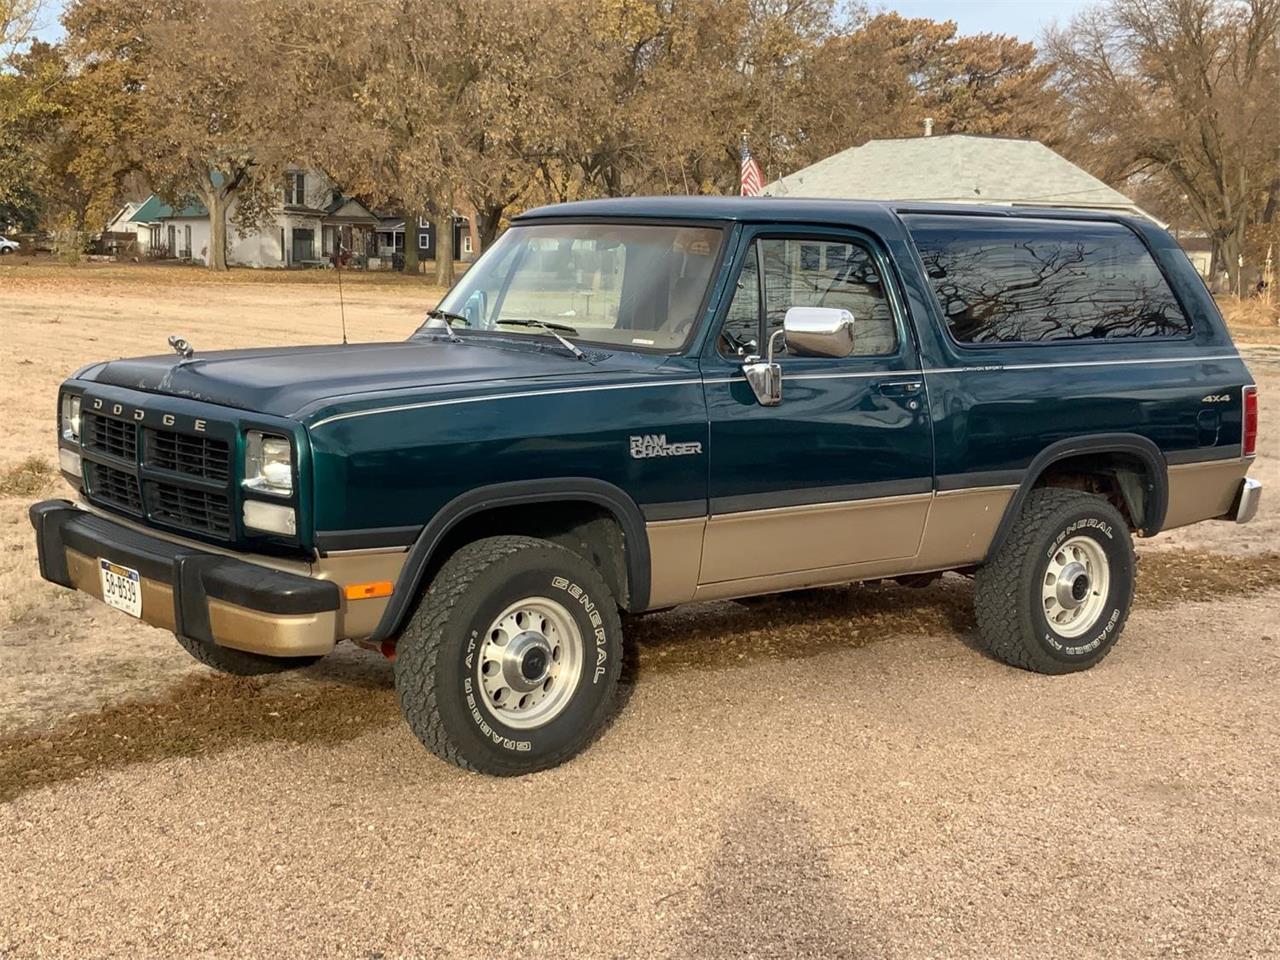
{"x":342,"y":306}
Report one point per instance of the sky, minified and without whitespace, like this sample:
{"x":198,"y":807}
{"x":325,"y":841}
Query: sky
{"x":1023,"y":18}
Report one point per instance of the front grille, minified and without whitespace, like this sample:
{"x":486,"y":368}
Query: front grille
{"x":114,"y":487}
{"x":203,"y":457}
{"x":116,"y":437}
{"x":197,"y":510}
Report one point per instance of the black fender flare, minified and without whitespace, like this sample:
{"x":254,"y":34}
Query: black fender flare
{"x":1131,"y":444}
{"x":517,"y":493}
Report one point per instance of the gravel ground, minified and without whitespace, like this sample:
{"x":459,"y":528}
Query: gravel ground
{"x":908,"y":798}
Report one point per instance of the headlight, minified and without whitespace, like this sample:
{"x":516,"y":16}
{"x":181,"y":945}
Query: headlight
{"x":70,"y":417}
{"x":268,"y":464}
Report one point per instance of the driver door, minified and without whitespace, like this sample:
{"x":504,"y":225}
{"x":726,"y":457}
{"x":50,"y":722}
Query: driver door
{"x":840,"y":473}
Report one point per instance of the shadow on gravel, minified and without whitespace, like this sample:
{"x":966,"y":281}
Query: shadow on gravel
{"x":770,"y":885}
{"x":345,"y":696}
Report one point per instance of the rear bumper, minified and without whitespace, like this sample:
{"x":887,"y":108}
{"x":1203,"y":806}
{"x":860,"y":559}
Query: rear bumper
{"x":198,"y":594}
{"x":1245,"y":506}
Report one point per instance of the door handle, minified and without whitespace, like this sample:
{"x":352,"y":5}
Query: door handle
{"x":900,"y":388}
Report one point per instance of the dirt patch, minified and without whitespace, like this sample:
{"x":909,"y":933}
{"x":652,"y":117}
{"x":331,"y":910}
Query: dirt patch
{"x":201,"y":715}
{"x":204,"y":715}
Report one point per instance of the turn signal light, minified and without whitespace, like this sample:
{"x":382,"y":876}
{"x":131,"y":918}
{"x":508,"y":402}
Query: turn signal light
{"x":1250,"y":433}
{"x":368,"y":591}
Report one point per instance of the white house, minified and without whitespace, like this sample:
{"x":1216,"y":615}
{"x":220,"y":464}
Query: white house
{"x":313,"y":222}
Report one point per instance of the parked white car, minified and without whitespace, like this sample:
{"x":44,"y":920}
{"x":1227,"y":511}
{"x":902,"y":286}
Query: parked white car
{"x":8,"y":246}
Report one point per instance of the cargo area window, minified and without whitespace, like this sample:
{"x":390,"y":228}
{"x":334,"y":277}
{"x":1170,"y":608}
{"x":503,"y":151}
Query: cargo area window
{"x":807,"y":273}
{"x":1020,"y":280}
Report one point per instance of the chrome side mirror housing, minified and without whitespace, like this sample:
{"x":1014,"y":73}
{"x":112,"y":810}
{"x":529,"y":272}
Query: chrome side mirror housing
{"x":765,"y":376}
{"x":819,"y":332}
{"x":809,"y":332}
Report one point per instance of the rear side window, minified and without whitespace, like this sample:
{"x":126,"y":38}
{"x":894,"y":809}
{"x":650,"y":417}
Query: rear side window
{"x":1034,"y":281}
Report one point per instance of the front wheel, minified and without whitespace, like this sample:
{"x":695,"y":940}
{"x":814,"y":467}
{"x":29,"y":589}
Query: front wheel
{"x":1055,"y":597}
{"x":511,"y":661}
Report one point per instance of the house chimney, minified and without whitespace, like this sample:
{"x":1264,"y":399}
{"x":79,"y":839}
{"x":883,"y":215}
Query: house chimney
{"x":928,"y":126}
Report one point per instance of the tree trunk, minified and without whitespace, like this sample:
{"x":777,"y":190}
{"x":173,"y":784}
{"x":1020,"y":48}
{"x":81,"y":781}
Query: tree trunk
{"x":490,"y":218}
{"x":444,"y":245}
{"x":217,"y":204}
{"x":411,"y":221}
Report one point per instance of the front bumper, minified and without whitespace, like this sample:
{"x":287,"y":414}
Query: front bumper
{"x":198,"y":594}
{"x":1245,"y":506}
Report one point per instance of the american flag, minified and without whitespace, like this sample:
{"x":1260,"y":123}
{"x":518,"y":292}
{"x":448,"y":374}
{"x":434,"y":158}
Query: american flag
{"x":752,"y":178}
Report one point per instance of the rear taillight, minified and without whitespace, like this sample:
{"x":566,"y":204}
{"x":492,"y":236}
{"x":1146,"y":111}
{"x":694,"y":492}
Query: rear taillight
{"x":1250,"y":434}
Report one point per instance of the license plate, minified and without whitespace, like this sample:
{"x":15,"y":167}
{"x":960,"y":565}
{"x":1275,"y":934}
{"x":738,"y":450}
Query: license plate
{"x":121,"y":587}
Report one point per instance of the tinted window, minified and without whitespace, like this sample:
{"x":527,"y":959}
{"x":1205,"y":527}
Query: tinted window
{"x":1031,"y":281}
{"x":808,"y":273}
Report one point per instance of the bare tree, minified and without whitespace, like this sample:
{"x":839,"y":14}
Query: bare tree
{"x":18,"y":20}
{"x":1184,"y":90}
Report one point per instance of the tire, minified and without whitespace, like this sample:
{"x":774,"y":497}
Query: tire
{"x":1056,"y":596}
{"x":240,"y":663}
{"x":474,"y":635}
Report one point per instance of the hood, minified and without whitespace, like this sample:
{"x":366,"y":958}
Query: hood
{"x":282,"y":381}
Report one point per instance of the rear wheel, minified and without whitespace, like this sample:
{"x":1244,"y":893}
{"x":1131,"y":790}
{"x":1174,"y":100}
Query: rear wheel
{"x":1055,"y":597}
{"x":511,"y":661}
{"x":238,"y":662}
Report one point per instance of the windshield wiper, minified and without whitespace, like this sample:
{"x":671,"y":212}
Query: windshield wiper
{"x":450,"y":317}
{"x":551,"y":328}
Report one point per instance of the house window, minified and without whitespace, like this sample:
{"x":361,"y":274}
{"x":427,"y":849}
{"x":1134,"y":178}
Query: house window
{"x":423,"y":223}
{"x":466,"y":243}
{"x":295,"y":189}
{"x":424,"y":241}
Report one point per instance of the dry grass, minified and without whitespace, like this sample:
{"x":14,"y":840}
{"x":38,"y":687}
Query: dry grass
{"x":1251,"y":320}
{"x":26,"y":478}
{"x":205,"y":715}
{"x":25,"y":271}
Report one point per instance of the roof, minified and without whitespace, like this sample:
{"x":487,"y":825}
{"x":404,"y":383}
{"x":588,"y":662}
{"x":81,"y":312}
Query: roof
{"x":953,"y":168}
{"x":783,"y":209}
{"x":348,"y":210}
{"x":153,"y":209}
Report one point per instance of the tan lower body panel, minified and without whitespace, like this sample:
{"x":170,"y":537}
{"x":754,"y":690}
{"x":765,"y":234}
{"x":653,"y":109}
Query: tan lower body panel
{"x":762,"y":543}
{"x":958,"y":527}
{"x":675,"y":555}
{"x":1202,"y":491}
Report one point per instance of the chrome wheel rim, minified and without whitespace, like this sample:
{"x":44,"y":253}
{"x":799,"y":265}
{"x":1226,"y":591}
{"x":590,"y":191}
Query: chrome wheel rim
{"x":530,"y":662}
{"x":1076,"y":584}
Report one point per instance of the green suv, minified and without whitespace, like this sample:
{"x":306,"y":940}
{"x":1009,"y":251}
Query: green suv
{"x":627,"y":405}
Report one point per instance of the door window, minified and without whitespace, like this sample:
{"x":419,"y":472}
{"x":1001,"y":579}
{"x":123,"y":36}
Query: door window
{"x":808,"y":273}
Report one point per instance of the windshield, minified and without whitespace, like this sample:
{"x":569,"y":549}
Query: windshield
{"x":622,"y":285}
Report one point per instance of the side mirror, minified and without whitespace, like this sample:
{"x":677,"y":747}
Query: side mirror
{"x":765,"y":376}
{"x":476,"y":308}
{"x":819,"y":332}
